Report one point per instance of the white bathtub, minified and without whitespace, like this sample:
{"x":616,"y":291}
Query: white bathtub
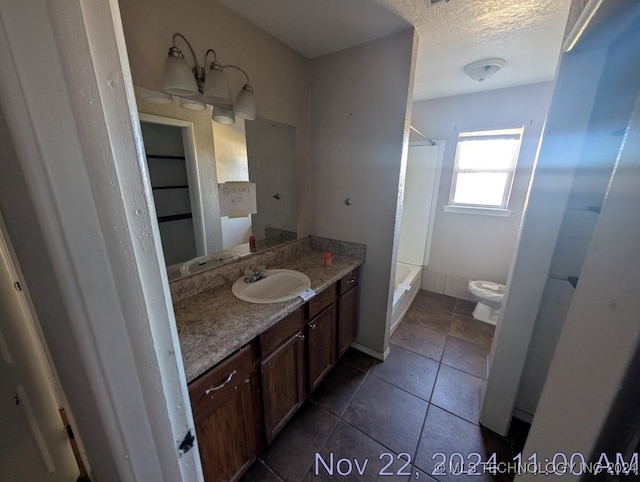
{"x":407,"y":285}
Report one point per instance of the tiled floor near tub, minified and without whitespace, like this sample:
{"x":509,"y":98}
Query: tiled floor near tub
{"x":396,"y":420}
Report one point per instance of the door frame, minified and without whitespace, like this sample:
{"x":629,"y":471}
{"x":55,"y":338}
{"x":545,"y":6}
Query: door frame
{"x":49,"y":382}
{"x":580,"y":69}
{"x":193,"y":174}
{"x":81,"y":158}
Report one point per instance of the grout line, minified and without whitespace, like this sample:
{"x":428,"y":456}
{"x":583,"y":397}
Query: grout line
{"x":424,"y":424}
{"x":442,"y":408}
{"x":405,"y":390}
{"x":352,"y":365}
{"x":477,"y":424}
{"x":355,"y":393}
{"x":435,"y":381}
{"x":472,"y":342}
{"x":464,"y":371}
{"x":421,"y":354}
{"x":369,"y":436}
{"x":378,"y":441}
{"x":272,"y":470}
{"x":443,"y":362}
{"x":324,"y":444}
{"x":339,"y":417}
{"x":258,"y":459}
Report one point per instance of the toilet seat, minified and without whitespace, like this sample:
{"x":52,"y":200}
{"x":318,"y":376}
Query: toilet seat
{"x":487,"y":290}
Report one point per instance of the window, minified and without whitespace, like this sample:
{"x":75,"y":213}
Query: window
{"x":483,"y":171}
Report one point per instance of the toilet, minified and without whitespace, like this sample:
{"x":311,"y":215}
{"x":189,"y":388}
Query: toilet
{"x":489,"y":296}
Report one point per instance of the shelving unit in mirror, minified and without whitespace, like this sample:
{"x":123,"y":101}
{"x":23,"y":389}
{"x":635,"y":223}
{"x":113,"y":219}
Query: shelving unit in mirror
{"x":190,"y":138}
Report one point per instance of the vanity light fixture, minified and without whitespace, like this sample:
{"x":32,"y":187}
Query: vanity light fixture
{"x":191,"y":104}
{"x":223,"y":115}
{"x":481,"y":70}
{"x":180,"y":79}
{"x":153,"y":97}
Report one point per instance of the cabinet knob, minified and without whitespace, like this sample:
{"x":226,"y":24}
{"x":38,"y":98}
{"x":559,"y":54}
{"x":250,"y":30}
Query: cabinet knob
{"x":351,"y":280}
{"x":213,"y":389}
{"x":301,"y":336}
{"x":312,"y":326}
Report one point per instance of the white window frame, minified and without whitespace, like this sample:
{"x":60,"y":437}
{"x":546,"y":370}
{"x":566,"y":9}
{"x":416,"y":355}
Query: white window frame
{"x":497,"y":210}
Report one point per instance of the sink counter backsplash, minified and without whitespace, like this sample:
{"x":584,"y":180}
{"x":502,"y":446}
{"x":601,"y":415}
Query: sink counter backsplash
{"x":212,"y":323}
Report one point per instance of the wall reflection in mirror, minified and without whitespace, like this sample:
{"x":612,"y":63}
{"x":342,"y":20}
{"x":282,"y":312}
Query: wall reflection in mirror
{"x":189,"y":156}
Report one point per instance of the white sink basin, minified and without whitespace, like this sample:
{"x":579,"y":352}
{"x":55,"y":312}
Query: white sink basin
{"x":204,"y":262}
{"x":279,"y":285}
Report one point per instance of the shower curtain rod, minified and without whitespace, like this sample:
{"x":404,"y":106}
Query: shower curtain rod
{"x":422,"y":135}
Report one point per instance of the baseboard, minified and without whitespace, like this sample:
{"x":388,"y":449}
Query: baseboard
{"x":524,"y":416}
{"x":370,"y":352}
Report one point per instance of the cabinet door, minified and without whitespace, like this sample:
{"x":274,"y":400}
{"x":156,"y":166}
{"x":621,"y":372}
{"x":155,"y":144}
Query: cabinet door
{"x":347,"y":319}
{"x":282,"y":384}
{"x":227,"y":432}
{"x":321,"y":332}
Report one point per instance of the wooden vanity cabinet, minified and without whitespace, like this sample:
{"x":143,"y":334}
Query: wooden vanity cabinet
{"x":347,"y":311}
{"x":247,"y":398}
{"x":321,"y":336}
{"x":282,"y":370}
{"x":226,"y":413}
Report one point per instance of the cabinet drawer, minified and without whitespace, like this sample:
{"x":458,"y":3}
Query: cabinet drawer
{"x":275,"y":336}
{"x":348,"y":282}
{"x":320,"y":301}
{"x":221,"y":379}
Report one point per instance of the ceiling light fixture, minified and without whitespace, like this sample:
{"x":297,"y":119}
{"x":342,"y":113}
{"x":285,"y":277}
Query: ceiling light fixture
{"x":180,"y":79}
{"x":481,"y":70}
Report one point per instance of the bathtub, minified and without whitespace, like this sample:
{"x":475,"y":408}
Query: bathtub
{"x":407,"y":285}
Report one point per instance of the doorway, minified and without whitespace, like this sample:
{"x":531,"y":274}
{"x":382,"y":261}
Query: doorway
{"x":33,"y":442}
{"x":173,"y":176}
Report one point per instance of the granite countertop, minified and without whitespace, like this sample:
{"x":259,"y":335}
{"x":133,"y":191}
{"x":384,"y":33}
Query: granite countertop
{"x":213,"y":324}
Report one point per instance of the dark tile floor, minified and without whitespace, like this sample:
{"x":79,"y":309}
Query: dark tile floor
{"x":398,"y":420}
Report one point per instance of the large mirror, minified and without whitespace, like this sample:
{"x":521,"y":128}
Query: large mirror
{"x":196,"y":166}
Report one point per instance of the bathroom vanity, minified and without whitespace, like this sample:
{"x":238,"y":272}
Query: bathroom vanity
{"x":250,"y":366}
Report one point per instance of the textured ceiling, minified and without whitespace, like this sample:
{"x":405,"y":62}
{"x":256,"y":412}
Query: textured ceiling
{"x":526,"y":33}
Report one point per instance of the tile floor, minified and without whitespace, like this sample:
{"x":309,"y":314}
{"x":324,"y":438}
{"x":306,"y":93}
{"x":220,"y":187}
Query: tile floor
{"x":395,"y":421}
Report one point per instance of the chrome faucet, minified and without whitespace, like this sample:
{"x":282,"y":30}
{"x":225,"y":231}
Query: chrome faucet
{"x":251,"y":275}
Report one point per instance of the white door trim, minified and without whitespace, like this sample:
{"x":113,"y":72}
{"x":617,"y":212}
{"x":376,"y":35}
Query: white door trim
{"x":68,"y":98}
{"x":601,"y":334}
{"x":37,"y":375}
{"x":576,"y":88}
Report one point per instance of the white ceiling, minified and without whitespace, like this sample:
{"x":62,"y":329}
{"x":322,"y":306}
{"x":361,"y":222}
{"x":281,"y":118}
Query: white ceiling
{"x":453,"y":33}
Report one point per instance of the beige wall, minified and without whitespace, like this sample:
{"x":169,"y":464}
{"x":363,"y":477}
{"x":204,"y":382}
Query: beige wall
{"x":472,"y":246}
{"x":279,"y":75}
{"x":232,"y":164}
{"x":360,"y":104}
